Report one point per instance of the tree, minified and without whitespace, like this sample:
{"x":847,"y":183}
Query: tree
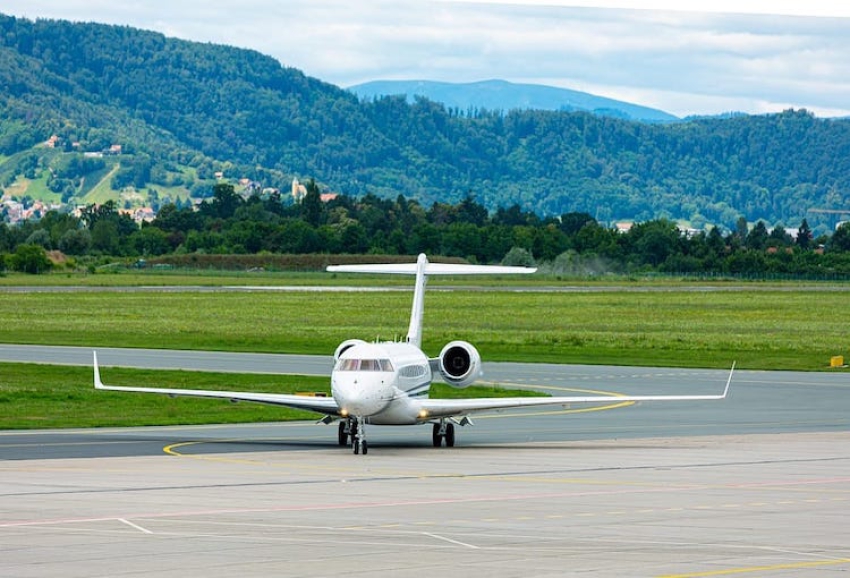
{"x":518,"y":257}
{"x":150,"y":241}
{"x":104,"y":237}
{"x":30,"y":259}
{"x":224,"y":203}
{"x":779,"y":237}
{"x":757,"y":238}
{"x":39,"y":237}
{"x":840,"y":240}
{"x":75,"y":242}
{"x":655,"y":241}
{"x":804,"y":235}
{"x":311,"y":205}
{"x":571,"y":223}
{"x":741,"y":228}
{"x":469,"y":211}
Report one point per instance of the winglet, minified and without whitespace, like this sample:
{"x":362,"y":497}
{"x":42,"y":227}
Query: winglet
{"x":728,"y":381}
{"x":98,"y":384}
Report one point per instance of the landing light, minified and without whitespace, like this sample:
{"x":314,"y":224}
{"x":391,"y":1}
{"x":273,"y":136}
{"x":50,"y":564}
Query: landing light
{"x":423,"y":414}
{"x":343,"y":412}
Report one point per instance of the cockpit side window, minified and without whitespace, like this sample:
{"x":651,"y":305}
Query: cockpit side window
{"x":348,"y":365}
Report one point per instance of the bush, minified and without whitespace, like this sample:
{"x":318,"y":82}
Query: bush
{"x":30,"y":259}
{"x":518,"y":257}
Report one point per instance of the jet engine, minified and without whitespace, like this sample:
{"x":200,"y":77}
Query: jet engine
{"x":345,"y":346}
{"x":460,"y":364}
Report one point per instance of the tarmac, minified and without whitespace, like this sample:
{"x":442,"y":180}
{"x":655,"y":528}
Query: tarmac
{"x":755,"y":505}
{"x":756,"y":485}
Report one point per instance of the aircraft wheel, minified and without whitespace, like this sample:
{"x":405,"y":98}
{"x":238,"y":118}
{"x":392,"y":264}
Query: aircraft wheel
{"x":356,"y":447}
{"x":436,"y":437}
{"x":343,"y":436}
{"x":450,"y":435}
{"x":365,"y":448}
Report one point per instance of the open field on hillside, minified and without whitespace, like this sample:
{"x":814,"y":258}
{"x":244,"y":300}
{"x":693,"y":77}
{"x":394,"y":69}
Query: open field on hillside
{"x":780,"y":328}
{"x":45,"y":396}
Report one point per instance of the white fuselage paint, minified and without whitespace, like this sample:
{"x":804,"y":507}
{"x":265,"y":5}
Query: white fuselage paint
{"x":365,"y":386}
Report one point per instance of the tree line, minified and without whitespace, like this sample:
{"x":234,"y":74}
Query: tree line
{"x":573,"y":243}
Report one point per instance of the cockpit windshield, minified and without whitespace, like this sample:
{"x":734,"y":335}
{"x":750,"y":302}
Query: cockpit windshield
{"x":364,"y":365}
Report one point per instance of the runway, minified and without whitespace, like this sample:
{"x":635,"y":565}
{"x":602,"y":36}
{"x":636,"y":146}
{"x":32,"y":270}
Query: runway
{"x":756,"y":485}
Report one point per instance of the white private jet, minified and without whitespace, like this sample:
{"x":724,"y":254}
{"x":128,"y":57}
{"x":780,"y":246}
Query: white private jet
{"x":387,"y":383}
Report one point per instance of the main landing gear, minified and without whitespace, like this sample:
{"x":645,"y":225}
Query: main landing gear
{"x":445,"y":430}
{"x":354,"y":428}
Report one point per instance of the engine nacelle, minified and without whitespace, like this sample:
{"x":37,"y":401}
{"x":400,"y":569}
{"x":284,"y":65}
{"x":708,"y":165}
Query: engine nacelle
{"x":460,"y":364}
{"x":345,"y":346}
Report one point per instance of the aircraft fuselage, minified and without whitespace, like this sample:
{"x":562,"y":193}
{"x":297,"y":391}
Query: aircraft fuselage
{"x":382,"y":382}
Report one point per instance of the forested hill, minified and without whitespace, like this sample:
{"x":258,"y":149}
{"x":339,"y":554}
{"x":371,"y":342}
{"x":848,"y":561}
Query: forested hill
{"x":199,"y":105}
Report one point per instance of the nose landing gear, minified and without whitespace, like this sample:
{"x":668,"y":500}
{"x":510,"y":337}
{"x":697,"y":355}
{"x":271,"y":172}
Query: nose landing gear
{"x":353,"y":427}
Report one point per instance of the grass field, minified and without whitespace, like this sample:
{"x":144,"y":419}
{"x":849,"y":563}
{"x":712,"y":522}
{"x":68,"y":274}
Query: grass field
{"x":761,"y":326}
{"x":781,"y":328}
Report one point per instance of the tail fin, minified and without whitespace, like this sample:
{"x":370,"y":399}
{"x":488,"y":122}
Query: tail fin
{"x":422,"y":268}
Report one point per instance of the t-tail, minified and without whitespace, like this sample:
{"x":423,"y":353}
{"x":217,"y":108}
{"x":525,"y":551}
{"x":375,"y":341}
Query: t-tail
{"x":422,"y":269}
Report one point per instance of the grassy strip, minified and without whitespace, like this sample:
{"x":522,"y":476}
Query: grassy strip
{"x":765,"y":329}
{"x":46,"y":396}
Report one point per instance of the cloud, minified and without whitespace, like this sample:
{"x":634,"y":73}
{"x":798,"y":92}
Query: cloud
{"x":684,"y":62}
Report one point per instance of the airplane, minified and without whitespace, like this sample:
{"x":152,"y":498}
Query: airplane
{"x":388,"y":382}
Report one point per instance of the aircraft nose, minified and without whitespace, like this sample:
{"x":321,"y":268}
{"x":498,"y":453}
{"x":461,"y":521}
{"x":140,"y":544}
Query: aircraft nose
{"x":360,"y":395}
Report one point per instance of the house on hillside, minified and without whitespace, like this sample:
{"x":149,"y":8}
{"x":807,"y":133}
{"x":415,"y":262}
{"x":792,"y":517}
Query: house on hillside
{"x":299,"y":191}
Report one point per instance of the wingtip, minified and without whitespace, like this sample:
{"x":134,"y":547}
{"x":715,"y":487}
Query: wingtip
{"x":98,"y":384}
{"x":729,"y":380}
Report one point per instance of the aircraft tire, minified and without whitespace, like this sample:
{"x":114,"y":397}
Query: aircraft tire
{"x":436,"y":437}
{"x":450,"y":435}
{"x":343,"y":436}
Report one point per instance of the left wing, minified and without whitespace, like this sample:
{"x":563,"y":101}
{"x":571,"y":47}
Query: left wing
{"x":326,"y":405}
{"x":439,"y":408}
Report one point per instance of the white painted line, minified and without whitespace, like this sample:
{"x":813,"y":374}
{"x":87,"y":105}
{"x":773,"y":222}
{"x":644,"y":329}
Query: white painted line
{"x":443,"y":538}
{"x":136,"y":526}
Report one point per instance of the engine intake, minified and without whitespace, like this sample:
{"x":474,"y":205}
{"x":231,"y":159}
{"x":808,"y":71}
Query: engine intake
{"x":460,"y":364}
{"x":345,"y":346}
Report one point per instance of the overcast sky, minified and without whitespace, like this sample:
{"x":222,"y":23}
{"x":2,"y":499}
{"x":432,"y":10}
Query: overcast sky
{"x":696,"y":62}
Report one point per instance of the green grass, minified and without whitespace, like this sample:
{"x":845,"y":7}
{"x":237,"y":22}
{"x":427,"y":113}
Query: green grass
{"x":98,"y":179}
{"x":101,"y":190}
{"x":38,"y":189}
{"x":764,"y":329}
{"x":45,"y":396}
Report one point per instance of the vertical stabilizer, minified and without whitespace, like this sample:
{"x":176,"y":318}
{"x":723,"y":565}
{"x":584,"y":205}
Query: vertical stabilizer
{"x":417,"y":312}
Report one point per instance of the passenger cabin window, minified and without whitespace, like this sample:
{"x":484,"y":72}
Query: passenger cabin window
{"x":364,"y":365}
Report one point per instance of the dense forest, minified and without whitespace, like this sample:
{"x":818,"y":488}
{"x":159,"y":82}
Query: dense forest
{"x":176,"y":105}
{"x":573,"y":244}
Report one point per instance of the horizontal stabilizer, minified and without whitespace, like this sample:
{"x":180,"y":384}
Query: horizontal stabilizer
{"x":432,"y":269}
{"x":422,"y":269}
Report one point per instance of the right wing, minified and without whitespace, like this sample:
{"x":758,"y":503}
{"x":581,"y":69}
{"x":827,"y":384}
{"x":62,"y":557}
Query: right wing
{"x":440,"y":408}
{"x":325,"y":405}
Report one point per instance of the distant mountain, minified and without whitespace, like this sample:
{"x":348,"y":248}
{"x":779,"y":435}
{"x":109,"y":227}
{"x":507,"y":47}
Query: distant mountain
{"x":500,"y":95}
{"x":182,"y":114}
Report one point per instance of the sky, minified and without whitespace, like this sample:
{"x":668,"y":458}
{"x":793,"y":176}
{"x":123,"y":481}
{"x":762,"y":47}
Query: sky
{"x":721,"y":56}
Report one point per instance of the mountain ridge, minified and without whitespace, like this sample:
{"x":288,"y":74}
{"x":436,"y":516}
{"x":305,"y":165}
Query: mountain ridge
{"x":502,"y":95}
